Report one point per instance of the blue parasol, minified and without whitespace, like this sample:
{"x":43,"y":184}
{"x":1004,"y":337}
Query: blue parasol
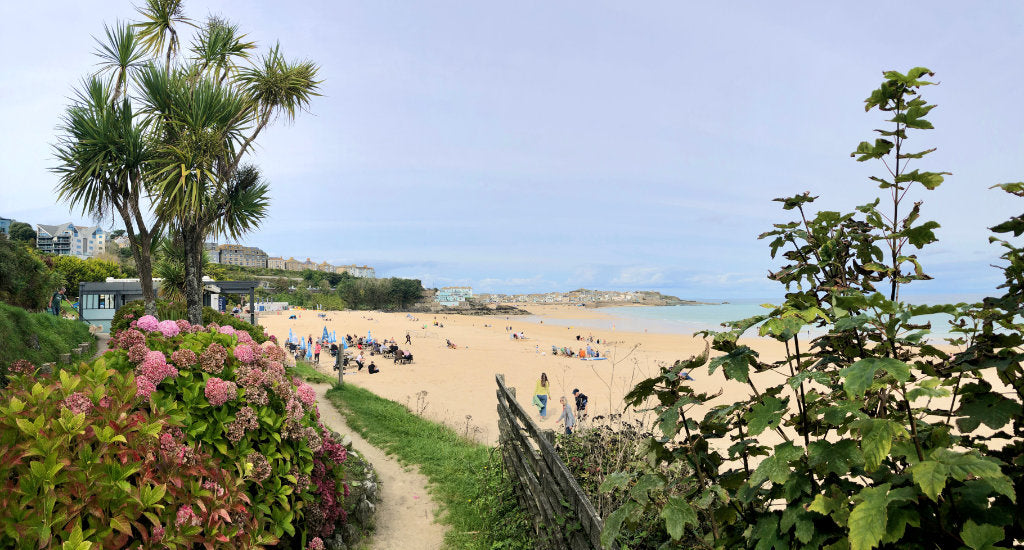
{"x":309,"y":352}
{"x":326,"y":335}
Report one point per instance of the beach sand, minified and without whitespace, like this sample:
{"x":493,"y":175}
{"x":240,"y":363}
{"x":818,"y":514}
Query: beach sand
{"x":459,"y":383}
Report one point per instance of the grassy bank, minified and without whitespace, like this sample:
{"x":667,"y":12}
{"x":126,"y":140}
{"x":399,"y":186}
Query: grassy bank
{"x":466,"y":477}
{"x":37,"y":337}
{"x":309,"y":373}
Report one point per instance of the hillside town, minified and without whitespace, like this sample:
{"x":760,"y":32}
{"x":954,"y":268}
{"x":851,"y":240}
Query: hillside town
{"x":586,"y":298}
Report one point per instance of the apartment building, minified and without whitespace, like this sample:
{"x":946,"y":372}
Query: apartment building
{"x":236,"y":254}
{"x":453,"y":295}
{"x":68,"y":239}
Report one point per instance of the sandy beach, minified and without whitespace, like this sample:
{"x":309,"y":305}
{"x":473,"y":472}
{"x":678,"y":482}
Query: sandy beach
{"x":459,"y":383}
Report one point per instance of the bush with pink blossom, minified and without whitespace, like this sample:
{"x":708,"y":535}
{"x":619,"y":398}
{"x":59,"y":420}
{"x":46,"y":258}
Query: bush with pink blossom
{"x":232,"y":396}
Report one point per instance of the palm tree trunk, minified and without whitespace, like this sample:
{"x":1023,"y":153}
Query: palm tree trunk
{"x":192,"y":239}
{"x":144,"y":264}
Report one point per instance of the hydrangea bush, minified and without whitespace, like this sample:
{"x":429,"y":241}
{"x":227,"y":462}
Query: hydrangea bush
{"x":81,"y":462}
{"x":233,"y":397}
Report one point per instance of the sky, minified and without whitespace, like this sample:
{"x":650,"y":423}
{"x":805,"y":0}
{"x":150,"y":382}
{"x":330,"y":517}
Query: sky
{"x":537,"y":146}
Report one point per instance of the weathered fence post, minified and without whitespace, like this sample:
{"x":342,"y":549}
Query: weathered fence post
{"x":544,"y":486}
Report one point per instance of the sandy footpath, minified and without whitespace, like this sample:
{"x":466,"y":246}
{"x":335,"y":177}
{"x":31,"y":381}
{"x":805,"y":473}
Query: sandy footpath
{"x":459,"y":383}
{"x":405,"y":514}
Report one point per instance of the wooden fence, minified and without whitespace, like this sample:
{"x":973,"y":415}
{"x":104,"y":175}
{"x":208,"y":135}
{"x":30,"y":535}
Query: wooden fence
{"x":562,"y":513}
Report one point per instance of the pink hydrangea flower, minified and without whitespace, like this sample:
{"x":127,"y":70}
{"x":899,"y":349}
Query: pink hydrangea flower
{"x":168,"y":328}
{"x":212,"y":360}
{"x":21,"y":366}
{"x":214,"y":488}
{"x":148,"y":323}
{"x":158,"y":533}
{"x":220,"y":391}
{"x":245,"y":353}
{"x":226,"y":329}
{"x":184,"y":358}
{"x":144,"y":387}
{"x":183,"y":326}
{"x":243,"y":336}
{"x":78,"y":403}
{"x":137,"y":353}
{"x":260,"y":466}
{"x":316,"y":544}
{"x":186,"y":516}
{"x":130,"y":337}
{"x":306,"y":394}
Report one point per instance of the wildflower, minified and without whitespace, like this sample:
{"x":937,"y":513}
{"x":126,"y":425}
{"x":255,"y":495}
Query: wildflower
{"x":260,"y":466}
{"x":168,"y":328}
{"x":137,"y":353}
{"x":148,"y":323}
{"x":306,"y":394}
{"x":316,"y":544}
{"x":184,"y":358}
{"x":78,"y":403}
{"x":144,"y":386}
{"x":186,"y":516}
{"x":220,"y":391}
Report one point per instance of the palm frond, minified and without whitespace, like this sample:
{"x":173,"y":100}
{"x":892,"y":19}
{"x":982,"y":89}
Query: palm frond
{"x":121,"y":54}
{"x":219,"y":46}
{"x":278,"y":86}
{"x":159,"y":26}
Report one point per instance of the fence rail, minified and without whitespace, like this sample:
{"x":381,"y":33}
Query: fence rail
{"x":544,"y":485}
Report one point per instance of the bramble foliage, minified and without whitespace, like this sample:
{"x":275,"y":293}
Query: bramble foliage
{"x":233,"y":398}
{"x":875,"y":437}
{"x":79,"y":462}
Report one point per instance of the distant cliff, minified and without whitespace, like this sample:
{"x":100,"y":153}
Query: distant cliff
{"x":588,"y":298}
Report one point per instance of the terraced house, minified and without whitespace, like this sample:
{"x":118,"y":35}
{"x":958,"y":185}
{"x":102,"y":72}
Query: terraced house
{"x":69,"y":239}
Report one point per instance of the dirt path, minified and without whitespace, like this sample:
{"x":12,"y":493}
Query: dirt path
{"x":405,"y":515}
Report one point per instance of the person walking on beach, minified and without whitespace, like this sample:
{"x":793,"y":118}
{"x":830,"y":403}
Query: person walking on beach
{"x":566,"y":416}
{"x":581,"y":403}
{"x":543,"y":393}
{"x":408,"y":338}
{"x":55,"y":300}
{"x":316,"y":353}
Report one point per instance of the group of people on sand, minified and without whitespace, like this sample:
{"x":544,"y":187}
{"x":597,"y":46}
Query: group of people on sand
{"x":582,"y":353}
{"x":542,"y":394}
{"x":518,"y":335}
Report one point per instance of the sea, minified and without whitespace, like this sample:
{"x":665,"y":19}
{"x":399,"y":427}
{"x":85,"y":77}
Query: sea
{"x":710,"y":314}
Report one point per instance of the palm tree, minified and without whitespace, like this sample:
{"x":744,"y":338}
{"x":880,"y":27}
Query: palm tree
{"x":159,"y":27}
{"x":121,"y":55}
{"x":103,"y":151}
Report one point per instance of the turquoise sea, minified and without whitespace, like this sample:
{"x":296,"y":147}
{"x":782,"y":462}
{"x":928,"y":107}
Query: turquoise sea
{"x":693,"y":318}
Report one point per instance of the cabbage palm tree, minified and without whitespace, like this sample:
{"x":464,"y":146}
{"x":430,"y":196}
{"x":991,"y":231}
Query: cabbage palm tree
{"x":120,"y":55}
{"x":160,"y":26}
{"x":103,"y":151}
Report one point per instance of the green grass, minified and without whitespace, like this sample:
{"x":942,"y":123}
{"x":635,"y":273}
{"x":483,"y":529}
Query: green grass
{"x":309,"y":373}
{"x":466,"y":477}
{"x":37,"y":337}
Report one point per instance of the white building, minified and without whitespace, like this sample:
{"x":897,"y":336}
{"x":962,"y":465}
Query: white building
{"x":453,"y":295}
{"x":71,"y":240}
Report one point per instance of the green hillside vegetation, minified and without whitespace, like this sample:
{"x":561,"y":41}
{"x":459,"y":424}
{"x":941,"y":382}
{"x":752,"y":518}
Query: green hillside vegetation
{"x":37,"y":337}
{"x":25,"y":281}
{"x":328,"y":290}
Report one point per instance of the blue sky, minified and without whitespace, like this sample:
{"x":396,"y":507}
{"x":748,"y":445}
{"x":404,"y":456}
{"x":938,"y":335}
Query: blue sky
{"x":536,"y":146}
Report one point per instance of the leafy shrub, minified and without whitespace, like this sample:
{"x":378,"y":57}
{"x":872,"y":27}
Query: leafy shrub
{"x":80,"y":462}
{"x":36,"y":337}
{"x":25,"y":281}
{"x":132,"y":311}
{"x":609,"y":451}
{"x":233,"y":398}
{"x":876,"y":437}
{"x":74,"y":270}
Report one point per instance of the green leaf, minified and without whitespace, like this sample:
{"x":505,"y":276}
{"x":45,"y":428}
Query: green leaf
{"x":838,"y":457}
{"x":736,"y":363}
{"x":991,"y":409}
{"x":647,"y":482}
{"x":981,"y":537}
{"x":677,"y":513}
{"x":859,"y":376}
{"x":931,"y":477}
{"x":776,"y":467}
{"x":767,"y":413}
{"x":615,"y":480}
{"x":613,"y":523}
{"x":877,"y":435}
{"x":869,"y":518}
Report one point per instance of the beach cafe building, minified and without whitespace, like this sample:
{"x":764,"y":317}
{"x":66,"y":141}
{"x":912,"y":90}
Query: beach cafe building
{"x":99,"y":301}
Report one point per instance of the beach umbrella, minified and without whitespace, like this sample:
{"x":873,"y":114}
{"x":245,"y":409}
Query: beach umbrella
{"x":302,"y":343}
{"x":309,"y":353}
{"x":291,"y":337}
{"x":344,"y":345}
{"x":334,"y":338}
{"x":326,"y":335}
